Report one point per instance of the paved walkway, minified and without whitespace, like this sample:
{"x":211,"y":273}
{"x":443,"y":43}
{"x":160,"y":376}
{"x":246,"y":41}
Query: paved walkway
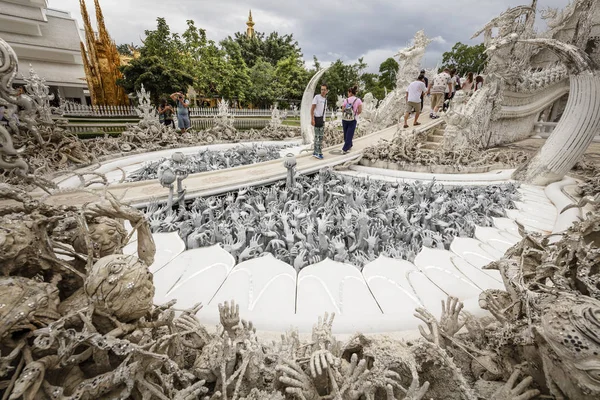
{"x":216,"y":182}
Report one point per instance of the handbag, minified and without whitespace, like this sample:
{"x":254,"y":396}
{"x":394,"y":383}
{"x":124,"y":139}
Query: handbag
{"x":320,"y":121}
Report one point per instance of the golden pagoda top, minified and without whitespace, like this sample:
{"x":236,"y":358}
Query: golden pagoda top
{"x":250,"y":25}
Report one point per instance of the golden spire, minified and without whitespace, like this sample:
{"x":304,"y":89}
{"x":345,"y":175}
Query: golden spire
{"x":250,"y":25}
{"x":102,"y":32}
{"x":101,"y":62}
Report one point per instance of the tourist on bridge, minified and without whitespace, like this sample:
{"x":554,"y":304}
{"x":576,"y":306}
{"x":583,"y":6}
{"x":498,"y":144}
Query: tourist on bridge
{"x":183,"y":112}
{"x":317,"y":114}
{"x":467,"y":85}
{"x":426,"y":85}
{"x":351,"y":109}
{"x":438,"y":86}
{"x":478,"y":82}
{"x":414,"y":95}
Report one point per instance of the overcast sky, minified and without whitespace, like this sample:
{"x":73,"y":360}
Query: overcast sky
{"x":329,"y":29}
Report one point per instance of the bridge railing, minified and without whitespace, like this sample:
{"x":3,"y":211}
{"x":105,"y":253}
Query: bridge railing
{"x":79,"y":110}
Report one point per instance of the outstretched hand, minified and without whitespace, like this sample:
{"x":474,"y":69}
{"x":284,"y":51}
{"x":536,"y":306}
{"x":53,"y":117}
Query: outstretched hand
{"x":434,"y":329}
{"x":449,"y":323}
{"x":229,"y":316}
{"x":519,"y":392}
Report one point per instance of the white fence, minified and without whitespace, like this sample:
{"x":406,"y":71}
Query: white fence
{"x":78,"y":110}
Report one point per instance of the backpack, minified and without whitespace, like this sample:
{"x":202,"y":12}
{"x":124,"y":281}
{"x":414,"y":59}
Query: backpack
{"x":348,"y":112}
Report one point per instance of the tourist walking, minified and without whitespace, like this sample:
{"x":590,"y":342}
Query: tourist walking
{"x":438,"y":86}
{"x":426,"y":85}
{"x":414,"y":96}
{"x":165,"y":113}
{"x":478,"y":82}
{"x":183,"y":112}
{"x":351,"y":109}
{"x":449,"y":92}
{"x":467,"y":85}
{"x":317,"y":114}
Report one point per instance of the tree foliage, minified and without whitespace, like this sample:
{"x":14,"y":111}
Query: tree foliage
{"x":156,"y":77}
{"x":272,"y":48}
{"x":466,"y":58}
{"x":124,"y":49}
{"x":291,"y":77}
{"x":262,"y":92}
{"x":388,"y":71}
{"x":258,"y":70}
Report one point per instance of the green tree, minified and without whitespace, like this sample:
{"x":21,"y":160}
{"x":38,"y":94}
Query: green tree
{"x":388,"y":71}
{"x":292,"y":78}
{"x":340,"y":77}
{"x":272,"y":48}
{"x":236,"y":76}
{"x":262,"y":91}
{"x":371,"y":83}
{"x":163,"y":44}
{"x":156,"y":77}
{"x":277,"y":48}
{"x":465,"y":58}
{"x":316,"y":63}
{"x":124,"y":50}
{"x":251,"y":49}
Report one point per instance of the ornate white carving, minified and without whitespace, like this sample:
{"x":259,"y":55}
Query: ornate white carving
{"x":145,"y":110}
{"x":392,"y":106}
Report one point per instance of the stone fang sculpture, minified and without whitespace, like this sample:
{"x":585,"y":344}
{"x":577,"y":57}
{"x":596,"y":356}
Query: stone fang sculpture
{"x":305,"y":119}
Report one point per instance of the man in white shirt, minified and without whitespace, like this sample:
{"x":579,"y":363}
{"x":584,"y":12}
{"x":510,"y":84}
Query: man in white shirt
{"x":317,"y":114}
{"x":413,"y":99}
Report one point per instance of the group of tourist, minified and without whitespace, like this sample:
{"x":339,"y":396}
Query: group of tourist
{"x":351,"y":109}
{"x":441,"y":88}
{"x":165,"y":112}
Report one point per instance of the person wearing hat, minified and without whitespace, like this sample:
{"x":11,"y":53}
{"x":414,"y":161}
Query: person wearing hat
{"x":426,"y":84}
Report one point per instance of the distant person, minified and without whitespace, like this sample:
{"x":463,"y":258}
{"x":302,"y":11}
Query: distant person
{"x":317,"y":114}
{"x":478,"y":82}
{"x":449,"y":92}
{"x":426,"y":84}
{"x":165,"y":113}
{"x":414,"y":96}
{"x":351,"y":109}
{"x":467,"y":85}
{"x":183,"y":112}
{"x":437,"y":88}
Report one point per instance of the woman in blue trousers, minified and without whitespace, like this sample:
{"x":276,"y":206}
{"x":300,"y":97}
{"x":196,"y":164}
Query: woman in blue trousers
{"x":351,"y":109}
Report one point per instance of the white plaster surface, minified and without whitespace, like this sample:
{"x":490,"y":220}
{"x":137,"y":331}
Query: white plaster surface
{"x":265,"y":290}
{"x":168,"y":246}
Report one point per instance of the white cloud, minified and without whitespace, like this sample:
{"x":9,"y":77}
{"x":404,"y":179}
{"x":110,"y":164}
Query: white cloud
{"x":344,"y":29}
{"x":439,"y":39}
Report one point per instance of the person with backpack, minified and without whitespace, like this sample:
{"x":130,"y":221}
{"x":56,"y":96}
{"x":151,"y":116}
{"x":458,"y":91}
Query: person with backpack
{"x":351,"y":109}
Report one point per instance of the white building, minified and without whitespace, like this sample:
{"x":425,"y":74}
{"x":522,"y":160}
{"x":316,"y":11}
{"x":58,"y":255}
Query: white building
{"x":48,"y":40}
